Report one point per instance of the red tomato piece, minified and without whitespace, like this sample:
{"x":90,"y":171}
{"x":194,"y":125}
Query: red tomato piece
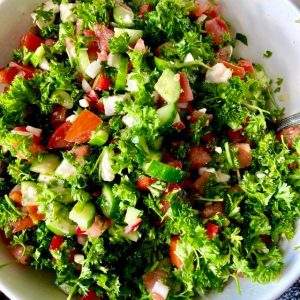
{"x":144,"y":182}
{"x":34,"y":214}
{"x":176,"y":164}
{"x":179,"y":126}
{"x":81,"y":130}
{"x":175,"y":259}
{"x":102,"y":83}
{"x":236,"y":70}
{"x":81,"y":151}
{"x":200,"y":183}
{"x":56,"y":242}
{"x":31,"y":41}
{"x":172,"y":187}
{"x":50,"y":42}
{"x":58,"y":116}
{"x":89,"y":32}
{"x":7,"y":75}
{"x":237,"y":136}
{"x":199,"y":157}
{"x":151,"y":278}
{"x":186,"y":93}
{"x":244,"y":155}
{"x":212,"y":230}
{"x":91,"y":295}
{"x":16,"y":196}
{"x":216,"y":28}
{"x":79,"y":231}
{"x":213,"y":10}
{"x":246,"y":65}
{"x":103,"y":35}
{"x":26,"y":71}
{"x":57,"y":139}
{"x":209,"y":138}
{"x":201,"y":6}
{"x":289,"y":135}
{"x":19,"y":253}
{"x":144,"y":9}
{"x":93,"y":50}
{"x":22,"y":224}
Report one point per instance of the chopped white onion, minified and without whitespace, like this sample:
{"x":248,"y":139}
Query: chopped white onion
{"x":93,"y":69}
{"x":129,"y":120}
{"x":202,"y":110}
{"x":79,"y":259}
{"x":72,"y":118}
{"x":160,"y":289}
{"x":110,"y":103}
{"x":65,"y":169}
{"x":66,"y":12}
{"x":107,"y":173}
{"x":86,"y":86}
{"x":45,"y":178}
{"x":189,"y":58}
{"x":218,"y":150}
{"x":222,"y":177}
{"x":201,"y":19}
{"x":203,"y":170}
{"x":113,"y":60}
{"x":44,"y":65}
{"x":70,"y":48}
{"x":49,"y":5}
{"x":218,"y":74}
{"x":20,"y":132}
{"x":33,"y":130}
{"x":83,"y":103}
{"x":132,"y":84}
{"x":132,"y":236}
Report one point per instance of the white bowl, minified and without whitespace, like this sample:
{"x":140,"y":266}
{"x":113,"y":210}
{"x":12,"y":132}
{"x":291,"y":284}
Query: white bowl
{"x":269,"y":25}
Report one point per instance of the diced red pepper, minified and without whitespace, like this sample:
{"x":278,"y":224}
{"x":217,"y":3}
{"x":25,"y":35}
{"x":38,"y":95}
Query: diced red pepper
{"x":31,"y":41}
{"x":57,"y":139}
{"x":102,"y":83}
{"x":143,"y":183}
{"x":236,"y":70}
{"x":212,"y":230}
{"x":56,"y":242}
{"x":8,"y":74}
{"x":186,"y":91}
{"x":175,"y":259}
{"x":81,"y":130}
{"x":216,"y":28}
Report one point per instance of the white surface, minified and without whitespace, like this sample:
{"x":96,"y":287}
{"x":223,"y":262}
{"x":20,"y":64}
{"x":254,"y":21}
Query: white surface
{"x":269,"y":25}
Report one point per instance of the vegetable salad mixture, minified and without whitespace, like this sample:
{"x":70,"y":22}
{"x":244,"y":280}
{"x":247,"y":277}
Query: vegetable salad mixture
{"x":139,"y":157}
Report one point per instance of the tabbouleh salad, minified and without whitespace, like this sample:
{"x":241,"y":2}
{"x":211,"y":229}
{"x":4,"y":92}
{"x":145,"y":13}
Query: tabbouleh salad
{"x":139,"y":157}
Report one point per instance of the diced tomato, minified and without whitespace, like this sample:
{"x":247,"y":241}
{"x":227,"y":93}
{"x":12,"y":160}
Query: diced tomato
{"x":289,"y":135}
{"x":93,"y":50}
{"x":15,"y":195}
{"x":56,"y":242}
{"x":50,"y":42}
{"x":236,"y":70}
{"x":89,"y":32}
{"x":212,"y":209}
{"x":179,"y":126}
{"x":196,"y":115}
{"x":102,"y":83}
{"x":8,"y":74}
{"x":198,"y":157}
{"x":200,"y":183}
{"x":58,"y":116}
{"x":164,"y":205}
{"x":151,"y":278}
{"x":81,"y":151}
{"x":91,"y":295}
{"x":201,"y":6}
{"x":31,"y":41}
{"x":140,"y":45}
{"x":81,"y":130}
{"x":237,"y":136}
{"x":34,"y":214}
{"x":175,"y":259}
{"x":19,"y":253}
{"x":176,"y":164}
{"x":246,"y":65}
{"x":22,"y":224}
{"x":102,"y":55}
{"x":79,"y":231}
{"x":144,"y":182}
{"x":186,"y":91}
{"x":144,"y":9}
{"x":26,"y":71}
{"x":213,"y":11}
{"x":103,"y":35}
{"x":36,"y":148}
{"x":209,"y":138}
{"x":216,"y":28}
{"x":57,"y":139}
{"x":244,"y":155}
{"x":172,"y":187}
{"x":212,"y":230}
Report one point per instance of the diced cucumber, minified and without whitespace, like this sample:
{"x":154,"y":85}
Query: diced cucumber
{"x":168,"y":86}
{"x":167,"y":114}
{"x":29,"y":192}
{"x":132,"y":214}
{"x":106,"y":171}
{"x":123,"y":15}
{"x":64,"y":195}
{"x":46,"y":178}
{"x":113,"y":60}
{"x":38,"y":56}
{"x":65,"y":169}
{"x":83,"y":213}
{"x":132,"y":236}
{"x":163,"y":172}
{"x":121,"y":78}
{"x":99,"y":137}
{"x":83,"y":60}
{"x":162,"y":64}
{"x":110,"y":204}
{"x":46,"y":164}
{"x":134,"y":34}
{"x":63,"y":98}
{"x":155,"y":155}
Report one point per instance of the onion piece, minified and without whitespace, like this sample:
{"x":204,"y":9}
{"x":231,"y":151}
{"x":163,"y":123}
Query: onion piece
{"x":34,"y":131}
{"x":93,"y":69}
{"x":160,"y":289}
{"x":86,"y":86}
